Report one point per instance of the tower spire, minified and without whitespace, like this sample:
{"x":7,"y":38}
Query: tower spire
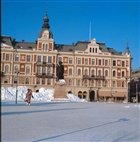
{"x":46,"y":21}
{"x":127,"y":47}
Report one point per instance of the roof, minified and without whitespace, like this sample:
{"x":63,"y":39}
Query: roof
{"x":6,"y":40}
{"x":114,"y":52}
{"x":136,"y":70}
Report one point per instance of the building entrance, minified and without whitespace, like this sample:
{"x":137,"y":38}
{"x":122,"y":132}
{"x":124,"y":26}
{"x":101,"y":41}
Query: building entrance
{"x":92,"y":95}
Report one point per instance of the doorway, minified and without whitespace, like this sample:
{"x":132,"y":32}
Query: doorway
{"x":92,"y":96}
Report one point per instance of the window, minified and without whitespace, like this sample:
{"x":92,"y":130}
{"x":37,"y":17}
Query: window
{"x":27,"y":80}
{"x":106,"y":62}
{"x":49,"y":59}
{"x":70,"y":60}
{"x":78,"y":83}
{"x":86,"y":72}
{"x":93,"y":50}
{"x":85,"y":82}
{"x":96,"y":50}
{"x":38,"y":81}
{"x":16,"y":57}
{"x":28,"y":58}
{"x":114,"y":63}
{"x":70,"y":82}
{"x":122,"y":73}
{"x":99,"y":83}
{"x":43,"y":46}
{"x":44,"y":59}
{"x":46,"y":46}
{"x":99,"y":72}
{"x":86,"y":61}
{"x":43,"y":70}
{"x":1,"y":56}
{"x":5,"y":80}
{"x":79,"y":71}
{"x":99,"y":62}
{"x":114,"y":73}
{"x":92,"y":72}
{"x":90,"y":49}
{"x":27,"y":69}
{"x":38,"y":70}
{"x":70,"y":71}
{"x":123,"y":84}
{"x":114,"y":84}
{"x":79,"y":60}
{"x":16,"y":68}
{"x":6,"y":69}
{"x":49,"y":70}
{"x":38,"y":58}
{"x":60,"y":59}
{"x":15,"y":80}
{"x":93,"y":61}
{"x":106,"y":73}
{"x":7,"y":57}
{"x":48,"y":81}
{"x":123,"y":63}
{"x":92,"y":82}
{"x":106,"y":83}
{"x":43,"y":80}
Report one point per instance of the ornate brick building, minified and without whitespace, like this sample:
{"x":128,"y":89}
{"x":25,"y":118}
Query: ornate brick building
{"x":91,"y":70}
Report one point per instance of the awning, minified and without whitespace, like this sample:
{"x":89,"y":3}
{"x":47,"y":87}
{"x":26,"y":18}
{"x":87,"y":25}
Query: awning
{"x":104,"y":93}
{"x":120,"y":94}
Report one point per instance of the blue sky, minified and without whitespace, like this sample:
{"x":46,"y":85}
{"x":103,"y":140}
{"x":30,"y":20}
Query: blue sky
{"x":112,"y":22}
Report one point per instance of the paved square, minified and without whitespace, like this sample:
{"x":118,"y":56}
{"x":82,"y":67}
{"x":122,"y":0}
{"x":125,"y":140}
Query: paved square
{"x":69,"y":121}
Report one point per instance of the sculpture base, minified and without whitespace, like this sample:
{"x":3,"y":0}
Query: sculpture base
{"x":60,"y":90}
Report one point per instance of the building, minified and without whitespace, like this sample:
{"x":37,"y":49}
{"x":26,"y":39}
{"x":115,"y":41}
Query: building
{"x":91,"y":70}
{"x":136,"y":73}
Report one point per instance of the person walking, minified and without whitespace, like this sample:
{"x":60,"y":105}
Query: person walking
{"x":28,"y":97}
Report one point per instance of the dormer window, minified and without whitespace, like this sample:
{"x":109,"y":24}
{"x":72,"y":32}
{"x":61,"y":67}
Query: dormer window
{"x":95,"y":50}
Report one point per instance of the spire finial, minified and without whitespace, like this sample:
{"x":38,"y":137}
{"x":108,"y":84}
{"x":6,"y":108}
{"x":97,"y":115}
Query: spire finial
{"x":127,"y":47}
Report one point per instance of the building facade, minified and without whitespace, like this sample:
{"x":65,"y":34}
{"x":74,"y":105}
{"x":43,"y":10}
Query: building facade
{"x":91,"y":70}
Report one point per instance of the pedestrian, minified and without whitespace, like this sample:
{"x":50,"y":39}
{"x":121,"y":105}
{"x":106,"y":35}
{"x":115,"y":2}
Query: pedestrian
{"x":28,"y":97}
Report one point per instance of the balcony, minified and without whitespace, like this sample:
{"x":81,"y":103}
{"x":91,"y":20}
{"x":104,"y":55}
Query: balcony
{"x":45,"y":75}
{"x":93,"y":77}
{"x":45,"y":64}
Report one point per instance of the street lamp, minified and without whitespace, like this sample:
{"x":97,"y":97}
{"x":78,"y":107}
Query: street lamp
{"x":126,"y":78}
{"x":17,"y":72}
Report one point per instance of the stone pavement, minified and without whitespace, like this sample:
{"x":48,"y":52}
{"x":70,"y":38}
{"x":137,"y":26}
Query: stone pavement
{"x":69,"y":121}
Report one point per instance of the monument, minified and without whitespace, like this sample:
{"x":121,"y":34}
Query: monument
{"x":60,"y":84}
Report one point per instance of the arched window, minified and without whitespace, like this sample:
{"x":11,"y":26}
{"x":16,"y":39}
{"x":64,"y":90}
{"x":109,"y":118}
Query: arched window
{"x":6,"y":69}
{"x":43,"y":80}
{"x":78,"y":83}
{"x":70,"y":82}
{"x":27,"y":80}
{"x":123,"y":74}
{"x":99,"y":72}
{"x":90,"y":49}
{"x":5,"y":80}
{"x":43,"y":46}
{"x":38,"y":81}
{"x":114,"y":73}
{"x":106,"y":73}
{"x":15,"y":79}
{"x":27,"y":69}
{"x":92,"y":72}
{"x":96,"y":50}
{"x":86,"y":72}
{"x":16,"y":68}
{"x":123,"y":84}
{"x":49,"y":70}
{"x":70,"y":71}
{"x":38,"y":69}
{"x":46,"y":46}
{"x":79,"y":71}
{"x":114,"y":84}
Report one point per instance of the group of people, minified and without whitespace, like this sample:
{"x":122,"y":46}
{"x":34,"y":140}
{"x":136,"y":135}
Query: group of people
{"x":28,"y":97}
